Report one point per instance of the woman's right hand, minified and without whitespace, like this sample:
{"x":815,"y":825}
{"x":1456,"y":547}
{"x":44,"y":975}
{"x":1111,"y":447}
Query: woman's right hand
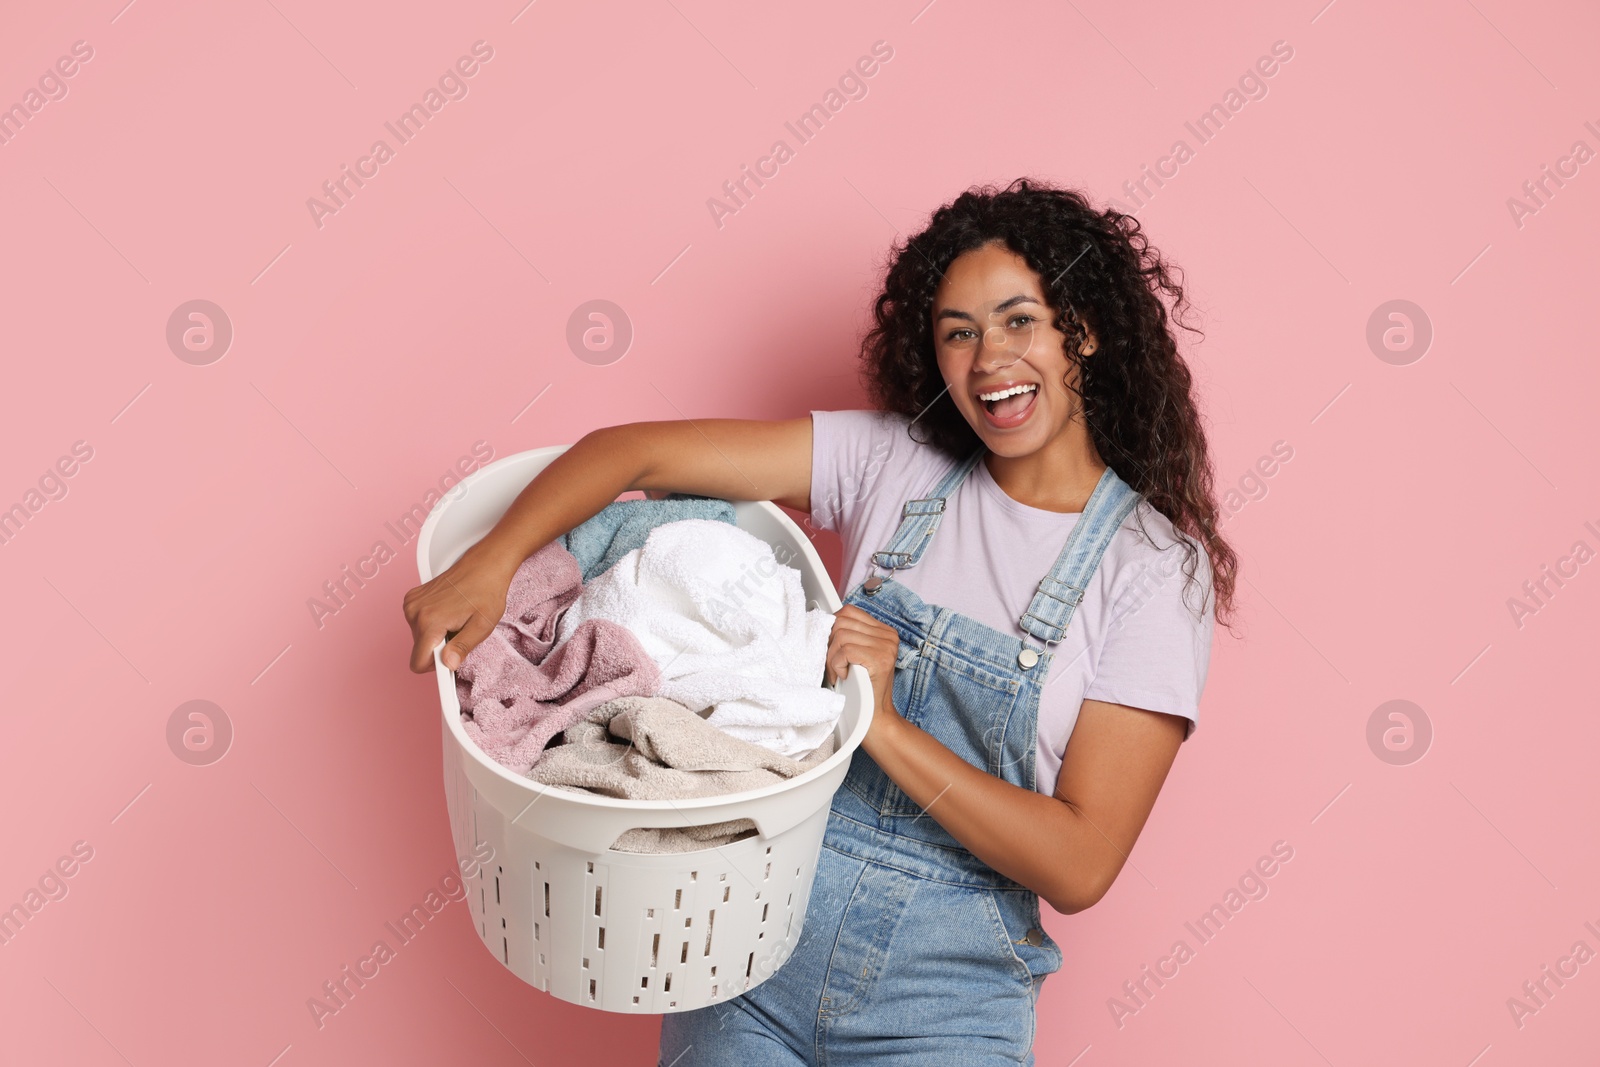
{"x":467,"y":599}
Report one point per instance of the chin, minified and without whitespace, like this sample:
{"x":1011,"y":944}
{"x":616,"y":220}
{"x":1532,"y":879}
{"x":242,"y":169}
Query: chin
{"x":1014,"y":443}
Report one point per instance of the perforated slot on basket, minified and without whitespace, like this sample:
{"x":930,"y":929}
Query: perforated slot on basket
{"x":683,"y":957}
{"x":764,"y":908}
{"x":600,"y":937}
{"x":768,"y":875}
{"x":677,"y":900}
{"x":725,"y":891}
{"x":591,"y":988}
{"x":710,"y":920}
{"x":655,"y":949}
{"x":750,"y":965}
{"x":597,"y":900}
{"x":666,"y":987}
{"x":547,"y":900}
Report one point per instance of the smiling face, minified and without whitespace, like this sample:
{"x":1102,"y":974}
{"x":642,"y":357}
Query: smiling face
{"x":1000,"y":354}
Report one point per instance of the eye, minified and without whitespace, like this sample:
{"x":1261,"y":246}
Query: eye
{"x":951,"y":336}
{"x":1021,"y":317}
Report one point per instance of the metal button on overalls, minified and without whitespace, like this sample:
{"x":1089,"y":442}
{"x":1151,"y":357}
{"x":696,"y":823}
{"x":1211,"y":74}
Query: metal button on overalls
{"x":906,"y":931}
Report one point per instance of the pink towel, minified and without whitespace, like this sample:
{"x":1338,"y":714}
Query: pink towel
{"x":519,"y":688}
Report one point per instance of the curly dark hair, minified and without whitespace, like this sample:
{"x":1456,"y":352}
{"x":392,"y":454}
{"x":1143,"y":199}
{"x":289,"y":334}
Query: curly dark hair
{"x":1136,"y":392}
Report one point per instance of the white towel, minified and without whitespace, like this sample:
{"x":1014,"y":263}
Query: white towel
{"x":727,"y":624}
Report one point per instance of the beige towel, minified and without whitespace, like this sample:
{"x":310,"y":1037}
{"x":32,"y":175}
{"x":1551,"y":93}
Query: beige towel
{"x":651,"y":748}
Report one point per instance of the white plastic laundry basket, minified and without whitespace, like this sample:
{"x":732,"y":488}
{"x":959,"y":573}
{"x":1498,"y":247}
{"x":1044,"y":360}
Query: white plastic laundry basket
{"x":620,"y":931}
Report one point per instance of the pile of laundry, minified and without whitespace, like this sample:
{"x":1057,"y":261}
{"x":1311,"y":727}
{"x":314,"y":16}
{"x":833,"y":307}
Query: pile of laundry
{"x":655,"y":652}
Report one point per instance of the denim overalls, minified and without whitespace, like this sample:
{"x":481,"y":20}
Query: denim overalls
{"x":913,"y":950}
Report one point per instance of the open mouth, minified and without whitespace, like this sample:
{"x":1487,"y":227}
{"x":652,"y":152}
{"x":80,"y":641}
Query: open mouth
{"x":1010,"y":405}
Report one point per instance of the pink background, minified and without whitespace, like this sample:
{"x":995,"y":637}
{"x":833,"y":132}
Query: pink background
{"x":371,"y":353}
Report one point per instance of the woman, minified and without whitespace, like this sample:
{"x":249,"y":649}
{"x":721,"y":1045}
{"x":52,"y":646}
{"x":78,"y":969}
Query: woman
{"x":1035,"y":414}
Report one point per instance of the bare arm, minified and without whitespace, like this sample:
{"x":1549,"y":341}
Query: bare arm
{"x":734,"y":459}
{"x":1068,"y":848}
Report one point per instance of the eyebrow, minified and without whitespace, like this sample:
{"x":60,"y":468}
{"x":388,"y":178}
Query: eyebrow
{"x":952,"y":313}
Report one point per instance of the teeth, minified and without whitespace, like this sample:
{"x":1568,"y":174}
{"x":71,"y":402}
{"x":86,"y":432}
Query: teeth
{"x":1013,"y":391}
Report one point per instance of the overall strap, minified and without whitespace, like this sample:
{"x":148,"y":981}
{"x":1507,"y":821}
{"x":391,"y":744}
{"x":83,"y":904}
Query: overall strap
{"x":920,"y":517}
{"x":1060,"y":591}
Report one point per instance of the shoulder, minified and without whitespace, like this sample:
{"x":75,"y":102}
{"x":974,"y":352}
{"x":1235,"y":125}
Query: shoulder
{"x":865,"y":443}
{"x":864,"y":460}
{"x":1150,"y":560}
{"x":862,"y":424}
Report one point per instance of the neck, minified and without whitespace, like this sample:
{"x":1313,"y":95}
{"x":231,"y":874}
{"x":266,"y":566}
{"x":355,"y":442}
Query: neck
{"x":1058,"y":477}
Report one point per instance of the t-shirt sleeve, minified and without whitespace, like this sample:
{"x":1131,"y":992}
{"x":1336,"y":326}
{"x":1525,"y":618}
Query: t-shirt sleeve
{"x":1158,"y":647}
{"x":848,"y":454}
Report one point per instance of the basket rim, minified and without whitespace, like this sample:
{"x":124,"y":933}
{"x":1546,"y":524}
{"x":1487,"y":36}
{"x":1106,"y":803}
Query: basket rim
{"x":450,"y":706}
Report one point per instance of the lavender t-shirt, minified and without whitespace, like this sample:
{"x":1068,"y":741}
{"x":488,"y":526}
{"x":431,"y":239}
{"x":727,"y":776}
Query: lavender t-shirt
{"x":1135,"y":638}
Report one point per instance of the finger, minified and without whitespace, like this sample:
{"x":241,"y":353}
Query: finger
{"x":839,"y":660}
{"x":470,"y":636}
{"x":870,"y":656}
{"x":883,"y":638}
{"x":433,"y":625}
{"x":863,"y":625}
{"x":429,"y":632}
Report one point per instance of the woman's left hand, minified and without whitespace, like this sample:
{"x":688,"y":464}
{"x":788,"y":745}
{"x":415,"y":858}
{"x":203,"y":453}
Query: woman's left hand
{"x":859,"y":638}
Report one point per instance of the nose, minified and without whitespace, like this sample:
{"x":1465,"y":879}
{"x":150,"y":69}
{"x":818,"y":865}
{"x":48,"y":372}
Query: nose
{"x":994,"y":346}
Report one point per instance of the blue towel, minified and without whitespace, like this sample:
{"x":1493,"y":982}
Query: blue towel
{"x":621,"y":527}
